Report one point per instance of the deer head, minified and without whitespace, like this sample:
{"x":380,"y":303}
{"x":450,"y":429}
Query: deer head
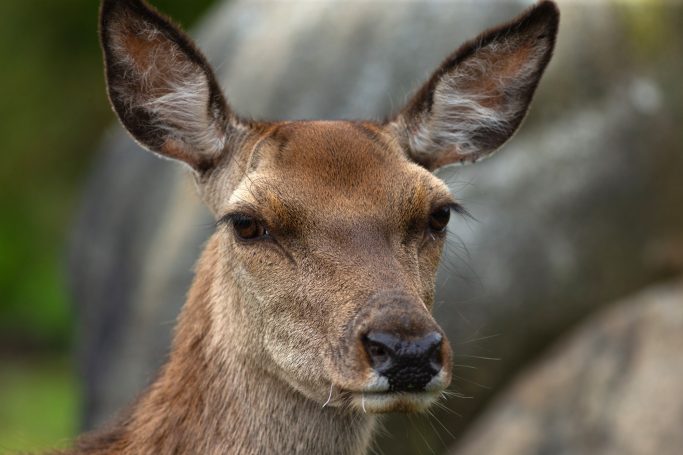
{"x":329,"y":233}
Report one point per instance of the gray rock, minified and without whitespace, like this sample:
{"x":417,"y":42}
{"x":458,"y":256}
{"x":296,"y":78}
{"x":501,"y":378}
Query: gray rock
{"x":614,"y":386}
{"x":581,"y":208}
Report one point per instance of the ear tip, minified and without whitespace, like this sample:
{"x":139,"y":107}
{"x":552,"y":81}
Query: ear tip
{"x":548,"y":7}
{"x":545,"y":13}
{"x":110,"y":8}
{"x":120,"y":3}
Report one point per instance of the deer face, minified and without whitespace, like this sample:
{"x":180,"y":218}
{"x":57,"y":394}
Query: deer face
{"x":336,"y":235}
{"x":331,"y":231}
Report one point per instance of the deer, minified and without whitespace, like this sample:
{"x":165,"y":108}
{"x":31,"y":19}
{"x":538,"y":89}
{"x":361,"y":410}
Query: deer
{"x":310,"y":313}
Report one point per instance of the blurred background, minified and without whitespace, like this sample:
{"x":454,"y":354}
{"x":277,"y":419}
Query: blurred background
{"x":54,"y":112}
{"x":562,"y":300}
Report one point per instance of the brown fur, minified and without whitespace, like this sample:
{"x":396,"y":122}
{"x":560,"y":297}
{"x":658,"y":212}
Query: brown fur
{"x":268,"y":354}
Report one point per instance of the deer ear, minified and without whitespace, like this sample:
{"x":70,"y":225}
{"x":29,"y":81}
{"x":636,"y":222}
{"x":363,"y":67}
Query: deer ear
{"x":478,"y":97}
{"x":161,"y":86}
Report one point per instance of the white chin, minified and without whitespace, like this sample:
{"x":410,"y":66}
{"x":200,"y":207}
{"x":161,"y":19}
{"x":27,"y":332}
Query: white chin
{"x":379,"y":403}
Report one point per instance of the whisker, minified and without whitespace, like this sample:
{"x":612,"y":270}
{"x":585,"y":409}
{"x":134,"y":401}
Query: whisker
{"x":420,"y":434}
{"x":436,"y":432}
{"x":462,"y":365}
{"x":450,"y":393}
{"x":443,"y":407}
{"x":476,"y":356}
{"x":442,"y":425}
{"x":469,"y":381}
{"x":474,"y":340}
{"x":329,"y":397}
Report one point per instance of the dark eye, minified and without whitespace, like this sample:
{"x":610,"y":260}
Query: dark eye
{"x":248,"y":228}
{"x":438,"y":219}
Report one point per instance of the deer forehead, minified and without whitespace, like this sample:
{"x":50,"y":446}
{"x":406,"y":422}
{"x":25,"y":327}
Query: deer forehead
{"x":343,"y":170}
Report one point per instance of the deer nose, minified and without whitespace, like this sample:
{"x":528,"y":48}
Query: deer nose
{"x":408,"y":364}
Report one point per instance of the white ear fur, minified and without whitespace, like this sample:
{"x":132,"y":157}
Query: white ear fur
{"x":161,"y":86}
{"x":478,"y":97}
{"x":458,"y":115}
{"x":183,"y":113}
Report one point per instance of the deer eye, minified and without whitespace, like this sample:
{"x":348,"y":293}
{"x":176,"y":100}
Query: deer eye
{"x":248,"y":228}
{"x":438,"y":219}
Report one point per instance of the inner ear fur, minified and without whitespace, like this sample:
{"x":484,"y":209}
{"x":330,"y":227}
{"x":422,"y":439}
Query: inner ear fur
{"x":161,"y":86}
{"x":479,"y":95}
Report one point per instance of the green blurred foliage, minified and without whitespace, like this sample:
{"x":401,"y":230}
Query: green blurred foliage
{"x":54,"y":110}
{"x":39,"y":404}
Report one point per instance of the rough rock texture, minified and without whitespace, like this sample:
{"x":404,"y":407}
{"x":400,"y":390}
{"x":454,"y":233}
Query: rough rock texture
{"x":615,"y":386}
{"x":582,"y":207}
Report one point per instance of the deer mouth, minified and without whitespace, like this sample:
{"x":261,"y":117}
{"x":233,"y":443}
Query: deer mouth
{"x":385,"y":402}
{"x":380,"y":397}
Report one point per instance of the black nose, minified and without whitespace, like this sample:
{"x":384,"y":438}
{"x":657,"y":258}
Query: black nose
{"x":408,"y":364}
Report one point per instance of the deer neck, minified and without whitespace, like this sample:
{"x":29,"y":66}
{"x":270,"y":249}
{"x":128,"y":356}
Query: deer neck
{"x":210,"y":399}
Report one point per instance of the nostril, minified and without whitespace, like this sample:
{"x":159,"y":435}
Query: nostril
{"x":435,"y":359}
{"x":428,"y":348}
{"x":378,"y":353}
{"x":379,"y":349}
